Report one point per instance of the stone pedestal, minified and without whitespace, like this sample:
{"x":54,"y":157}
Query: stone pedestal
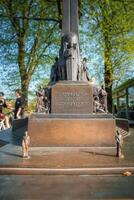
{"x":72,"y":130}
{"x":72,"y":98}
{"x":72,"y":122}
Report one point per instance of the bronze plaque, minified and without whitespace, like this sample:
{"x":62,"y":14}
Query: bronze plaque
{"x":71,"y":132}
{"x":72,"y":98}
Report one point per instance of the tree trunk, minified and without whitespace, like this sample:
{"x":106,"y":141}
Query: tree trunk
{"x":108,"y":87}
{"x":108,"y":75}
{"x":24,"y":88}
{"x":22,"y":69}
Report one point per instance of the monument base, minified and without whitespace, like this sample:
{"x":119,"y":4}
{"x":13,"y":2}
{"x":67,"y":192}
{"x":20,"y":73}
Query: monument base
{"x":96,"y":130}
{"x":69,"y":97}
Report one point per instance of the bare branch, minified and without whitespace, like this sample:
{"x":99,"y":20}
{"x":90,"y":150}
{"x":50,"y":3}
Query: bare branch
{"x":33,"y":67}
{"x":33,"y":18}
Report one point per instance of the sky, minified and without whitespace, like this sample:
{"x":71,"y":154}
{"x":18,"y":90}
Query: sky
{"x":89,"y":49}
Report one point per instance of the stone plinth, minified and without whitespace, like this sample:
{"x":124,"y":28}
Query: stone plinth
{"x":72,"y":97}
{"x":72,"y":132}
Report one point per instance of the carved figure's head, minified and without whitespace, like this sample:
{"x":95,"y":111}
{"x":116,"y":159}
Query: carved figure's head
{"x":26,"y":133}
{"x":70,"y":38}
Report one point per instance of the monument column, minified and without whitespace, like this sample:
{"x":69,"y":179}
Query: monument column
{"x":66,"y":17}
{"x":74,"y":17}
{"x":70,"y":17}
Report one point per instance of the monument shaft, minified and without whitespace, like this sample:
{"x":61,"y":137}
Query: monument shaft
{"x":70,"y":17}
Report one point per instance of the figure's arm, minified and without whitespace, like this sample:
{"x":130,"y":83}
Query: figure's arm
{"x":18,"y":113}
{"x":21,"y":107}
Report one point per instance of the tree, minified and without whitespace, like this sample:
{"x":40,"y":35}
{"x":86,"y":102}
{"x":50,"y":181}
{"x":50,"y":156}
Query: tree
{"x":33,"y":26}
{"x":111,"y":24}
{"x":30,"y":37}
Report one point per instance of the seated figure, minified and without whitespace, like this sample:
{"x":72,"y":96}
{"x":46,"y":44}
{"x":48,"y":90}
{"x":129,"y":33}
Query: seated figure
{"x":97,"y":106}
{"x":103,"y":98}
{"x":3,"y":117}
{"x":40,"y":100}
{"x":99,"y":100}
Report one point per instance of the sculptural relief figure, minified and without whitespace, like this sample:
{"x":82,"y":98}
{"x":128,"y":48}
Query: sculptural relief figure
{"x":62,"y":64}
{"x":71,"y":56}
{"x":119,"y":141}
{"x":47,"y":100}
{"x":97,"y":107}
{"x":84,"y":71}
{"x":55,"y":73}
{"x":100,"y":99}
{"x":69,"y":66}
{"x":103,"y":98}
{"x":25,"y":145}
{"x":40,"y":100}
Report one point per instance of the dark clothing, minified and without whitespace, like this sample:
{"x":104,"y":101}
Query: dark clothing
{"x":19,"y":103}
{"x":2,"y":104}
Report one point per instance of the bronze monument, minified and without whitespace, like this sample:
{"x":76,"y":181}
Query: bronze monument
{"x":25,"y":145}
{"x":78,"y":115}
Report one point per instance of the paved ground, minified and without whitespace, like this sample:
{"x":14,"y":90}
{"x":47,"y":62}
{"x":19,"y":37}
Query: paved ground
{"x":44,"y":187}
{"x":52,"y":157}
{"x":67,"y":187}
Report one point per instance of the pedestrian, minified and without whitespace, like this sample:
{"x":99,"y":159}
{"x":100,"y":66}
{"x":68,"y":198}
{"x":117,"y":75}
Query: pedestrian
{"x":19,"y":105}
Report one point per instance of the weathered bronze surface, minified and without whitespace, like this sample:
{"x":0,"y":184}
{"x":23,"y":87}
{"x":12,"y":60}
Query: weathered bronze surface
{"x":25,"y":145}
{"x":72,"y":93}
{"x":70,"y":16}
{"x":71,"y":97}
{"x":72,"y":132}
{"x":69,"y":65}
{"x":73,"y":160}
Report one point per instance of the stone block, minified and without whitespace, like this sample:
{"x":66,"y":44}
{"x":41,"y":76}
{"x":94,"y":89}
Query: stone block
{"x":72,"y":132}
{"x":72,"y":98}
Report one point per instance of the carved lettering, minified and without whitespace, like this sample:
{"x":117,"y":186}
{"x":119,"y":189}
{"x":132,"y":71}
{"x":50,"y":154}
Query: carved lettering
{"x":72,"y":99}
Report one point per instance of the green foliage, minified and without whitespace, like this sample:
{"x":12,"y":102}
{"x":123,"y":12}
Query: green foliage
{"x":30,"y":40}
{"x":110,"y":24}
{"x":30,"y":37}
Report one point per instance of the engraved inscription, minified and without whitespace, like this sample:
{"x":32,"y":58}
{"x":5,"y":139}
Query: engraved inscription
{"x":72,"y":99}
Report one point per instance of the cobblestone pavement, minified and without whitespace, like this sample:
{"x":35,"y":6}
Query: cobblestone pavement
{"x":68,"y":187}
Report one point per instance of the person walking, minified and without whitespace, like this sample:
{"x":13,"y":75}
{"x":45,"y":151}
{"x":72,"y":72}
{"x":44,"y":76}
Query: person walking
{"x":19,"y":105}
